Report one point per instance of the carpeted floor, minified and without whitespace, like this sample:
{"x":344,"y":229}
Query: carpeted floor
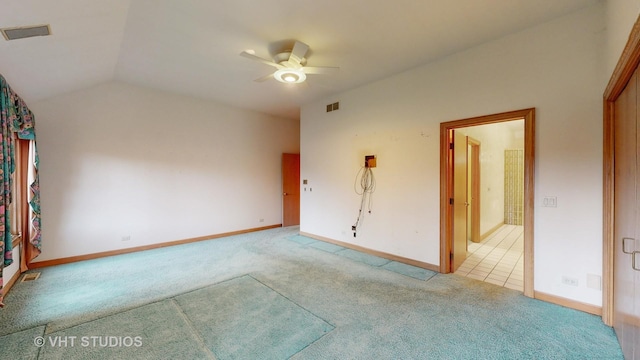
{"x":275,"y":295}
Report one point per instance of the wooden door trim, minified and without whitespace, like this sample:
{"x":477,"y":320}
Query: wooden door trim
{"x":628,"y":62}
{"x":446,"y":216}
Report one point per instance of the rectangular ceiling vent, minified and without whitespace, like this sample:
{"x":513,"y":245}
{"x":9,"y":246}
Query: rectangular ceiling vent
{"x":25,"y":32}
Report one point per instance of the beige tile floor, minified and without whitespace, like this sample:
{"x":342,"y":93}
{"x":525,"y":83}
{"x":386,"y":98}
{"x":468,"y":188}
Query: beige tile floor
{"x":497,"y":259}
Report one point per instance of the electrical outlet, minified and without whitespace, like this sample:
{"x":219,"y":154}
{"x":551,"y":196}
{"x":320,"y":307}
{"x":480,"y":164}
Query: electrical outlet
{"x":569,"y":281}
{"x":261,"y":220}
{"x":126,"y":238}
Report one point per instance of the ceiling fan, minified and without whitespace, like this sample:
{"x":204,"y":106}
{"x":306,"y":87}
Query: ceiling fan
{"x":290,"y":65}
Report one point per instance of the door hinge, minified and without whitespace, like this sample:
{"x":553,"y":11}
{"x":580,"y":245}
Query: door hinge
{"x":450,"y":256}
{"x":451,"y":146}
{"x":450,"y":201}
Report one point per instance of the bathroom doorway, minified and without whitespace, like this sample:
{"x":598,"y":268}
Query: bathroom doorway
{"x":459,"y":140}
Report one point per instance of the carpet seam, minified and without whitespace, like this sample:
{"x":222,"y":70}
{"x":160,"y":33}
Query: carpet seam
{"x":293,"y":302}
{"x":315,"y":341}
{"x":366,"y":263}
{"x":362,"y":262}
{"x":193,"y":329}
{"x":103,"y":317}
{"x":44,"y":332}
{"x":171,"y":297}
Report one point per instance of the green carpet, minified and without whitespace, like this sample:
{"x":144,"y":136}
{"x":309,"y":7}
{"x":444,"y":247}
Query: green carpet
{"x":277,"y":295}
{"x":250,"y":321}
{"x":154,"y":331}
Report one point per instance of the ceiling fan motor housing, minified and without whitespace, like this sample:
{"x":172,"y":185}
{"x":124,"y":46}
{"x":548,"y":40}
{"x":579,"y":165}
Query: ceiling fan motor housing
{"x":284,"y":57}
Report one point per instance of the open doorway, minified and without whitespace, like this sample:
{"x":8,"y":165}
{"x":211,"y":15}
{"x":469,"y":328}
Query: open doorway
{"x":495,"y":240}
{"x":461,"y":209}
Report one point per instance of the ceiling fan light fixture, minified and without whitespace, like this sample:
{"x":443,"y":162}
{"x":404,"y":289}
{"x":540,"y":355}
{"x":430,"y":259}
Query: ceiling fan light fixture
{"x":291,"y":65}
{"x":290,"y":76}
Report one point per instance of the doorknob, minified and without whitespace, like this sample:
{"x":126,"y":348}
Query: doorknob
{"x":633,"y":260}
{"x":624,"y":240}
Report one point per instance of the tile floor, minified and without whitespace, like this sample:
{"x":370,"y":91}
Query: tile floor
{"x":497,"y":259}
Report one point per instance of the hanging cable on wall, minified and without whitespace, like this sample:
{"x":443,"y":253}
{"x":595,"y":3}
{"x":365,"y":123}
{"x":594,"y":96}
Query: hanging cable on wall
{"x":367,"y":187}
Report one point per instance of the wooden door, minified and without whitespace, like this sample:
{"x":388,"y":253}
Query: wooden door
{"x":290,"y":189}
{"x":459,"y":200}
{"x":474,"y":190}
{"x":626,"y":299}
{"x":632,"y":325}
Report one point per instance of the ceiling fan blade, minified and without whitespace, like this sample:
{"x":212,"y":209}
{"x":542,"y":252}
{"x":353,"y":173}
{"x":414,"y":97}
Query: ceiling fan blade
{"x":264,"y":78}
{"x":299,"y":51}
{"x":258,"y":58}
{"x":320,"y":70}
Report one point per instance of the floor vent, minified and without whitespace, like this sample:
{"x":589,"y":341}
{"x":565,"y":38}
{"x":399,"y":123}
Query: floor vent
{"x":30,"y":277}
{"x":25,"y":32}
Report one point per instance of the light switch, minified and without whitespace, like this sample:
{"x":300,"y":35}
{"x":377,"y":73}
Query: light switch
{"x":594,"y":281}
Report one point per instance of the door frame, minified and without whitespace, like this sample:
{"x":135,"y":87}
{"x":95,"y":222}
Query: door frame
{"x":628,"y":62}
{"x":446,"y":186}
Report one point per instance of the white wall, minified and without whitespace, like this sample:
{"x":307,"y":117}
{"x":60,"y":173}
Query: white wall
{"x":554,"y":67}
{"x":119,"y":160}
{"x":621,"y":15}
{"x":11,"y":270}
{"x":494,"y":140}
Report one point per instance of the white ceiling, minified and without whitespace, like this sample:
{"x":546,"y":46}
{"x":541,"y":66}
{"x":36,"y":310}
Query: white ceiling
{"x":191,"y":46}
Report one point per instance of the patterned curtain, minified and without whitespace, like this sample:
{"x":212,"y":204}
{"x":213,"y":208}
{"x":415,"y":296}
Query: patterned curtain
{"x":15,"y":120}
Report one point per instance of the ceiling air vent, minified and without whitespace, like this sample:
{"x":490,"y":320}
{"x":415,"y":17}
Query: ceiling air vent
{"x":333,"y":107}
{"x":25,"y":32}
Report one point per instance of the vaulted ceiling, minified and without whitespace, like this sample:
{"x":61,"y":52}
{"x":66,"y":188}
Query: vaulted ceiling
{"x":192,"y":47}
